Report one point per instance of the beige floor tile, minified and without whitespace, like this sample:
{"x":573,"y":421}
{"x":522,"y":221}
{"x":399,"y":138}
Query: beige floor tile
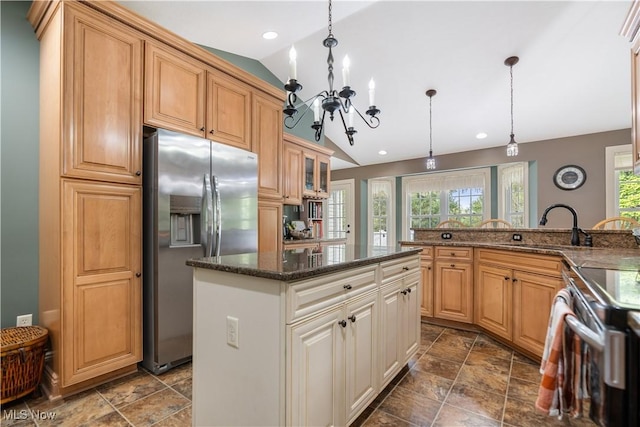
{"x":477,"y":400}
{"x":491,"y":347}
{"x":130,"y":388}
{"x":16,"y":414}
{"x":155,"y":407}
{"x":184,"y":387}
{"x":410,"y":406}
{"x":489,"y":362}
{"x":112,"y":419}
{"x":176,"y":374}
{"x":382,"y":419}
{"x":426,"y":384}
{"x":442,"y":367}
{"x":523,"y":414}
{"x":446,"y":350}
{"x":460,"y":333}
{"x":450,"y":416}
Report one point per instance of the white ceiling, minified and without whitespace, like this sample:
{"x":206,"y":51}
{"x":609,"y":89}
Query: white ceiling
{"x":573,"y":77}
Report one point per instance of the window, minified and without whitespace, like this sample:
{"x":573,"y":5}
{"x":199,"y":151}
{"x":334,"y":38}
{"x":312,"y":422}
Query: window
{"x":513,"y":193}
{"x":431,"y":198}
{"x":623,"y":187}
{"x":381,"y":212}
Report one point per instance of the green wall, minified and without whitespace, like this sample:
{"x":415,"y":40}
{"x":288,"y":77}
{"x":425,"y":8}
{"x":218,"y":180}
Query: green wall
{"x":18,"y":163}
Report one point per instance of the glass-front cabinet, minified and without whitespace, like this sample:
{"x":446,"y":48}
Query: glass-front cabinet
{"x":316,"y":175}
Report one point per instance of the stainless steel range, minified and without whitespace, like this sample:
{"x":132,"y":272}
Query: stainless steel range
{"x":602,"y":301}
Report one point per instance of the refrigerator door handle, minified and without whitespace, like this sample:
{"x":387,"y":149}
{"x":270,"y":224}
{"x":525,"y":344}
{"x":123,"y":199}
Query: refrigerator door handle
{"x":206,"y":215}
{"x":218,"y":217}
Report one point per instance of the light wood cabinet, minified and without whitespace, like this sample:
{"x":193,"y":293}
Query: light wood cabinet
{"x":102,"y":290}
{"x":630,"y":30}
{"x":102,"y":83}
{"x":269,"y":226}
{"x":493,"y":299}
{"x":316,"y":175}
{"x":453,"y":283}
{"x":426,"y":268}
{"x":90,"y":195}
{"x":533,"y":296}
{"x":292,"y":174}
{"x":267,"y":137}
{"x":183,"y":94}
{"x":514,"y":294}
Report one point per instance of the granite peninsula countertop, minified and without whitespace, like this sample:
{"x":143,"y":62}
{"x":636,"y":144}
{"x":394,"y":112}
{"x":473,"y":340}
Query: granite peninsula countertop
{"x":581,"y":256}
{"x":297,"y":264}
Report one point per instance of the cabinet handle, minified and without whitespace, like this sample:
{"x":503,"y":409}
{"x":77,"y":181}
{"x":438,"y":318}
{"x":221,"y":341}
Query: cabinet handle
{"x":211,"y":131}
{"x":347,"y":287}
{"x":405,"y":268}
{"x":352,"y":318}
{"x":138,"y":173}
{"x":514,"y":280}
{"x":342,"y":323}
{"x":507,"y":278}
{"x":138,"y":274}
{"x":453,"y":265}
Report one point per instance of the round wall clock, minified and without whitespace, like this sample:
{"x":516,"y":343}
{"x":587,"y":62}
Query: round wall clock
{"x":569,"y":177}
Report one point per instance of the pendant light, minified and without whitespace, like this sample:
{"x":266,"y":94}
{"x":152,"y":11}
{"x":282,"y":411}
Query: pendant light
{"x":512,"y":146}
{"x":431,"y":161}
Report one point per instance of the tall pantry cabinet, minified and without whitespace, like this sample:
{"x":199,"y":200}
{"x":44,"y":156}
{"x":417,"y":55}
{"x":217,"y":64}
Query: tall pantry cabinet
{"x":90,"y":194}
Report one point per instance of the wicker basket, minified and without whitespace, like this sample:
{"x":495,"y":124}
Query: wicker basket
{"x":23,"y":351}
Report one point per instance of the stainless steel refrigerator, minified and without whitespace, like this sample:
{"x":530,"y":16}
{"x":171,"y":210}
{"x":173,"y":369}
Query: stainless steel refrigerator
{"x":200,"y":198}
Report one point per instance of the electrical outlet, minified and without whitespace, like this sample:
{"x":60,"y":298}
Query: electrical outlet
{"x":232,"y":331}
{"x":516,"y":237}
{"x":446,"y":236}
{"x":24,"y":320}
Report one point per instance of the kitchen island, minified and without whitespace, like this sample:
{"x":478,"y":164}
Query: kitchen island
{"x":301,"y":337}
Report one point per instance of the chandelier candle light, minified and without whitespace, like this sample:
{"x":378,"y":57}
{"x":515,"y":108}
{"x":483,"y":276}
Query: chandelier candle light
{"x":328,"y":101}
{"x":512,"y":146}
{"x":431,"y":161}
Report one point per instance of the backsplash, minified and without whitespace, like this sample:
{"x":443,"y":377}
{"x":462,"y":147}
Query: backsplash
{"x":619,"y":239}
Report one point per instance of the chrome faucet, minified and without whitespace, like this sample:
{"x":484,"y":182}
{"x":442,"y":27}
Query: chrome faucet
{"x":575,"y":231}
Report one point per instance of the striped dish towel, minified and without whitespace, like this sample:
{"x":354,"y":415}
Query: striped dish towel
{"x":560,"y":359}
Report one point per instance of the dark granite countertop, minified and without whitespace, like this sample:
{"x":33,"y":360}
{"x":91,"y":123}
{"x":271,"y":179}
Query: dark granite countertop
{"x":582,"y":256}
{"x":296,"y":264}
{"x":313,"y":241}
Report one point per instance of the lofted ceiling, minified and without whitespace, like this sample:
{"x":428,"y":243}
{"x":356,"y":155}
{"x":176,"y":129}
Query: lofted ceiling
{"x":573,"y":77}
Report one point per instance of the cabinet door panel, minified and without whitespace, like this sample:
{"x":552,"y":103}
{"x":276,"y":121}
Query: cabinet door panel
{"x":361,"y":351}
{"x":453,"y":296}
{"x":533,"y":299}
{"x":267,"y":143}
{"x":174,"y":91}
{"x":228,"y":112}
{"x":103,"y":77}
{"x":292,"y":175}
{"x":102,"y":288}
{"x":269,"y":226}
{"x":493,"y":299}
{"x":390,"y":312}
{"x":316,"y":371}
{"x":426,"y":305}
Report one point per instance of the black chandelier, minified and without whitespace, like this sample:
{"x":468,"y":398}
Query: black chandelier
{"x":329,"y":100}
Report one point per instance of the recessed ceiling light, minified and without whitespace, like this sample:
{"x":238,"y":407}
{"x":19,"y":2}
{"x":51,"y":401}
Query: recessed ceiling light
{"x":382,"y":153}
{"x":269,"y":35}
{"x":481,"y":135}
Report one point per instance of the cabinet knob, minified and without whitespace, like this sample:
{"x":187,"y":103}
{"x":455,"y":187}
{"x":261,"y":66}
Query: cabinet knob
{"x":211,"y":131}
{"x":409,"y":290}
{"x":347,"y":287}
{"x":405,"y":268}
{"x":507,"y":278}
{"x":453,"y":254}
{"x":342,"y":323}
{"x":453,"y":265}
{"x":138,"y":274}
{"x":428,"y":268}
{"x":202,"y":129}
{"x":138,"y":173}
{"x":403,"y":292}
{"x":514,"y":280}
{"x":352,"y":318}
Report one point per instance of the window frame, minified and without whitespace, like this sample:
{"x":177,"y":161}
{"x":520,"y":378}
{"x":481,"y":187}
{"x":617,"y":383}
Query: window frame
{"x":611,"y":182}
{"x":502,"y":203}
{"x":391,"y":216}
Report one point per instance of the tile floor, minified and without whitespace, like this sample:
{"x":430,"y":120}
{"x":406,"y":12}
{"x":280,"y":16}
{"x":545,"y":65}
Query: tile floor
{"x":458,"y":378}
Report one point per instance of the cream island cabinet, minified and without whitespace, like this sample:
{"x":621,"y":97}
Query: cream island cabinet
{"x":277,"y":342}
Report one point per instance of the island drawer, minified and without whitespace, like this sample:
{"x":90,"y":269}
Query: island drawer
{"x":457,"y":252}
{"x":535,"y":263}
{"x":308,"y":297}
{"x":392,"y":269}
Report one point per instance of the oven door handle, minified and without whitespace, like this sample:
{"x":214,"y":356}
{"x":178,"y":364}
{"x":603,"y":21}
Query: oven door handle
{"x":594,"y":340}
